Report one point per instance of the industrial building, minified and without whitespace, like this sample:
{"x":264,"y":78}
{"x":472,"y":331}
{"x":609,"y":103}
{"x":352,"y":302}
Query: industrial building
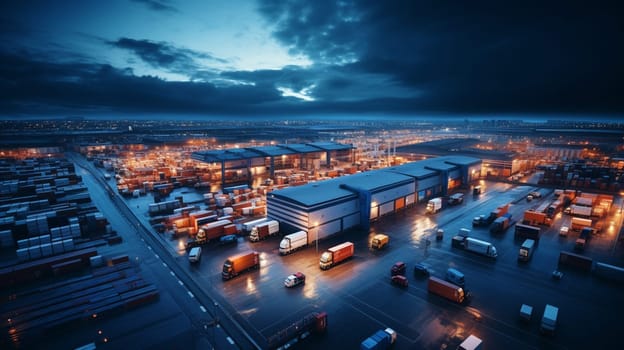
{"x":327,"y":207}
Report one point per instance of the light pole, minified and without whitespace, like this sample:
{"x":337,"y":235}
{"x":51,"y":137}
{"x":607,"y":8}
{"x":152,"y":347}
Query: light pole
{"x":316,"y":231}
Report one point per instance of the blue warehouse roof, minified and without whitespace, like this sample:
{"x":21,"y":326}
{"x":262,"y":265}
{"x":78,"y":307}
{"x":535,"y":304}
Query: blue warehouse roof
{"x":314,"y":193}
{"x":234,"y":154}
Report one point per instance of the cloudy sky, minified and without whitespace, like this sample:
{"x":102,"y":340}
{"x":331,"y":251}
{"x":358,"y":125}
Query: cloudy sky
{"x":288,"y":58}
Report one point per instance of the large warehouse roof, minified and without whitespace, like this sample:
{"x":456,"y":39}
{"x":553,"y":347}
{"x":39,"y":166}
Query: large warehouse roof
{"x":266,"y":151}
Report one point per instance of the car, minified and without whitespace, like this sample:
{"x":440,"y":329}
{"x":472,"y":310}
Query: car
{"x":229,"y":239}
{"x":535,"y":194}
{"x":398,"y":268}
{"x":399,"y":280}
{"x":563,"y":231}
{"x":421,"y":270}
{"x":294,"y":280}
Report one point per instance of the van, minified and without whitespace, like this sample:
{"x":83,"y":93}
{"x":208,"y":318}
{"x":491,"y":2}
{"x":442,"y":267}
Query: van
{"x":456,"y":277}
{"x":195,"y":254}
{"x":549,"y":319}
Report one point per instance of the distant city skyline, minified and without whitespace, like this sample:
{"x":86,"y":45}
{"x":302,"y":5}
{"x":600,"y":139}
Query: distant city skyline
{"x":326,"y":59}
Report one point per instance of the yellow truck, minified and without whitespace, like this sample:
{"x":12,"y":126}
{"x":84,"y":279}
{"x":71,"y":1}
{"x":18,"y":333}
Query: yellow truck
{"x":379,"y":241}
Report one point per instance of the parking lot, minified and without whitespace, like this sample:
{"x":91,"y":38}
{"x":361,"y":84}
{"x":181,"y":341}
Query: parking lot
{"x":359,"y":298}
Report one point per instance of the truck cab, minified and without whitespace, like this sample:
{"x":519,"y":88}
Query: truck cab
{"x":398,"y":269}
{"x":379,"y":241}
{"x":456,"y":277}
{"x":195,"y":255}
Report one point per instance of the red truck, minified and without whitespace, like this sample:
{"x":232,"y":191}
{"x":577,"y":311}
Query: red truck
{"x":446,"y":289}
{"x":237,"y":264}
{"x":335,"y":255}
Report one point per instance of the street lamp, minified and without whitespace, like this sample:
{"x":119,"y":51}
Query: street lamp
{"x":316,"y":229}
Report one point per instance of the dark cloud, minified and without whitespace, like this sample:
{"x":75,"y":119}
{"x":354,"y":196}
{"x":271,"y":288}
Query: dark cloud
{"x":32,"y":87}
{"x":465,"y":56}
{"x":164,"y":55}
{"x":156,"y":5}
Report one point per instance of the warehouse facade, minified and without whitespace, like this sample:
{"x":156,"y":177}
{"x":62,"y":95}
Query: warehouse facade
{"x":331,"y":206}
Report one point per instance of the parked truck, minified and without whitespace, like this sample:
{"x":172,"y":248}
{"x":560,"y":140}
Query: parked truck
{"x":456,"y":199}
{"x":486,"y":220}
{"x":579,"y":210}
{"x":379,"y":241}
{"x":249,"y":225}
{"x":237,"y":264}
{"x":210,"y":231}
{"x":475,"y":245}
{"x":579,"y":223}
{"x":526,"y":231}
{"x":526,"y":250}
{"x":312,"y":323}
{"x":501,"y":224}
{"x":293,"y":241}
{"x":446,"y":289}
{"x":581,"y":242}
{"x":264,"y":230}
{"x":434,"y":205}
{"x":536,"y":218}
{"x":336,"y":255}
{"x":549,"y":319}
{"x":382,"y":339}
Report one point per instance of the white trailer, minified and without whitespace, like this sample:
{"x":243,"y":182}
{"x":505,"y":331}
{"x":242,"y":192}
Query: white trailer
{"x":293,"y":242}
{"x":480,"y":247}
{"x":247,"y":226}
{"x":579,"y":210}
{"x":434,"y":205}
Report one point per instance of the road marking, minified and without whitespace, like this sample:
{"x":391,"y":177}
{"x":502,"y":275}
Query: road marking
{"x":149,"y":247}
{"x":180,"y":283}
{"x":171,"y":273}
{"x":202,"y":308}
{"x":230,"y":340}
{"x":190,"y":294}
{"x":165,"y":265}
{"x":157,"y":256}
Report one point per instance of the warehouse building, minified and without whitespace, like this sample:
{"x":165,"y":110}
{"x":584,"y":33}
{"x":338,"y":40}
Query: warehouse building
{"x":331,"y":206}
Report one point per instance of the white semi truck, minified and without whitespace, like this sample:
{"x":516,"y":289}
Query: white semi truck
{"x":293,"y":241}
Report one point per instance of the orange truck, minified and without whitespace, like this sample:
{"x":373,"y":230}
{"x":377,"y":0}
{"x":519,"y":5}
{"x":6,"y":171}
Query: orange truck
{"x":535,"y":218}
{"x":237,"y":264}
{"x":446,"y":289}
{"x":335,"y":255}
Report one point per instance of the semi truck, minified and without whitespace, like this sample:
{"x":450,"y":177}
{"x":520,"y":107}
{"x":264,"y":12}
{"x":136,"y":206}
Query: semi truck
{"x":237,"y":264}
{"x":501,"y":224}
{"x":526,"y":250}
{"x":579,"y":223}
{"x":379,"y":241}
{"x":434,"y":205}
{"x":382,"y":339}
{"x":210,"y":231}
{"x":264,"y":230}
{"x":526,"y":231}
{"x":549,"y":319}
{"x":446,"y":289}
{"x":486,"y":220}
{"x":293,"y":241}
{"x":475,"y":245}
{"x":336,"y":255}
{"x":535,"y":218}
{"x":581,"y":242}
{"x":312,"y":323}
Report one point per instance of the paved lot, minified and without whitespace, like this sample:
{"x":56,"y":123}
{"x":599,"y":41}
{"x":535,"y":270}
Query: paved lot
{"x":359,"y":298}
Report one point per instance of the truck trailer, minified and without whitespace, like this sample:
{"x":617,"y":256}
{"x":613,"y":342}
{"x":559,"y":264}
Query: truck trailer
{"x":237,"y":264}
{"x":486,"y":220}
{"x":434,"y":205}
{"x":446,"y":289}
{"x":526,"y":231}
{"x":579,"y":210}
{"x":501,"y":224}
{"x":249,"y":225}
{"x":579,"y":223}
{"x":293,"y":241}
{"x":336,"y":255}
{"x":526,"y":250}
{"x":382,"y":339}
{"x":549,"y":319}
{"x":535,"y":218}
{"x":475,"y":245}
{"x":264,"y":230}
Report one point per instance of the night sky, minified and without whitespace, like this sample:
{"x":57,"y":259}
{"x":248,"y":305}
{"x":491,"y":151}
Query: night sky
{"x":289,"y":58}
